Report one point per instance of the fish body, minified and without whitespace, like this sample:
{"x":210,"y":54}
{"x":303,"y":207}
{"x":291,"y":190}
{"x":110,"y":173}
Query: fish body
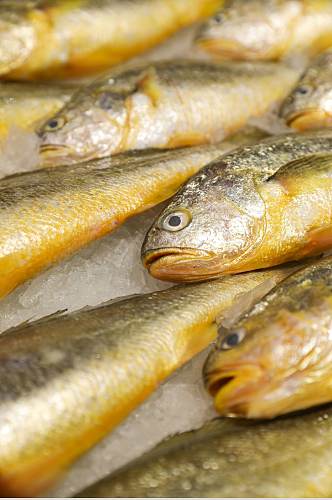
{"x":162,"y":105}
{"x":50,"y":213}
{"x":267,"y":30}
{"x":280,"y":355}
{"x":286,"y":458}
{"x":26,"y":105}
{"x":258,"y":206}
{"x":70,"y":38}
{"x":67,"y":381}
{"x":309,"y":106}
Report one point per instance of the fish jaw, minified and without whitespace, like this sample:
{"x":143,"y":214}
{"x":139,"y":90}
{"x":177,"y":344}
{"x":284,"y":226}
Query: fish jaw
{"x":308,"y":119}
{"x":235,"y":387}
{"x":181,"y":265}
{"x":229,"y":50}
{"x":52,"y":155}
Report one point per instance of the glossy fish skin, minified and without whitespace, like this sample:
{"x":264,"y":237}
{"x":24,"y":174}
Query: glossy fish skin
{"x":258,"y":206}
{"x":27,"y":105}
{"x":282,"y":361}
{"x":286,"y":458}
{"x":267,"y":29}
{"x":49,"y":214}
{"x":162,"y":105}
{"x":67,"y":381}
{"x":309,"y":106}
{"x":70,"y":38}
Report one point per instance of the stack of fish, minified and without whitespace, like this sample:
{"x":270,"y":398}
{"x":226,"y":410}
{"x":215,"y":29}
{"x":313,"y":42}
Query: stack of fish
{"x":248,"y":225}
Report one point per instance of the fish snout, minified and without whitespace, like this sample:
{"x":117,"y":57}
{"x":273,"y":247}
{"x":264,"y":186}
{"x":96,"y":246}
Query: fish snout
{"x":56,"y":154}
{"x":233,"y":387}
{"x":308,"y":119}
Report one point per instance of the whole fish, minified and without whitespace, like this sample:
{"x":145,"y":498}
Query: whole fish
{"x":278,"y":358}
{"x":26,"y":105}
{"x":309,"y":106}
{"x":162,"y":105}
{"x":267,"y":29}
{"x":46,"y":215}
{"x":69,"y":38}
{"x":258,"y":206}
{"x":286,"y":458}
{"x":67,"y":381}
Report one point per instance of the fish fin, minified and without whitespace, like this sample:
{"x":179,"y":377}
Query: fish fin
{"x":317,"y":162}
{"x":148,"y":84}
{"x":39,"y":321}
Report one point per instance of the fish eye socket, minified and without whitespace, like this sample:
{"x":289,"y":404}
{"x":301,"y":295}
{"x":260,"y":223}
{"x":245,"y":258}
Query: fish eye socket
{"x":55,"y":124}
{"x":232,"y":340}
{"x":176,"y":221}
{"x":302,"y":90}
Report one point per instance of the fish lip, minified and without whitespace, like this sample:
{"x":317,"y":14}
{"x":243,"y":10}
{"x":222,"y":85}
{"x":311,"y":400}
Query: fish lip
{"x":298,"y":118}
{"x":160,"y":263}
{"x":226,"y":49}
{"x":234,"y":386}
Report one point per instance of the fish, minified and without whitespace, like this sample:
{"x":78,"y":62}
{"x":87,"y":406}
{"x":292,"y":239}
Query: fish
{"x":26,"y":105}
{"x":309,"y":106}
{"x":167,"y":104}
{"x":52,"y":39}
{"x":277,"y":358}
{"x":68,"y":380}
{"x":286,"y":458}
{"x":47,"y":214}
{"x":260,"y":30}
{"x":260,"y":205}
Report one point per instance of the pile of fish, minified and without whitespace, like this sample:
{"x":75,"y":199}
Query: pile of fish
{"x":246,"y":233}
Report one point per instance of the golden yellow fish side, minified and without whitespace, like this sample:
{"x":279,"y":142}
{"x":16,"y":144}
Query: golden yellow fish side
{"x":298,"y":217}
{"x":79,"y":375}
{"x":37,"y":232}
{"x":168,"y":104}
{"x":77,"y":37}
{"x":289,"y":457}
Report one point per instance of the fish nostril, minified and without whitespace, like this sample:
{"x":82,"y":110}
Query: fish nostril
{"x":215,"y":387}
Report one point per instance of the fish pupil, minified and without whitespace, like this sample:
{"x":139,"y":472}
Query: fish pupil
{"x":174,"y":221}
{"x":53,"y":123}
{"x":232,"y":340}
{"x":302,"y":90}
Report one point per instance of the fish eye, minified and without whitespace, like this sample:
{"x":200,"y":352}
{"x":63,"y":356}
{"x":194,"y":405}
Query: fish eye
{"x":55,"y":124}
{"x":232,"y":340}
{"x":302,"y":90}
{"x":176,"y":221}
{"x":218,"y":18}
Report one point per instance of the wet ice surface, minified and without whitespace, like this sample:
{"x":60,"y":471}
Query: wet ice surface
{"x":179,"y":405}
{"x":106,"y":269}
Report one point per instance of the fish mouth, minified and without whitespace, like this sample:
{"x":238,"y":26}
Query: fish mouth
{"x":234,"y":387}
{"x":226,"y":49}
{"x":54,"y":154}
{"x":179,"y":265}
{"x":309,"y":119}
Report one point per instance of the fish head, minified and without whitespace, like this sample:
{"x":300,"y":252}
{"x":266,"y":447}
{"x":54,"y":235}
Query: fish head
{"x":91,"y":125}
{"x":249,"y":29}
{"x":17,"y":35}
{"x":268,"y":364}
{"x":309,"y":106}
{"x":208,"y":228}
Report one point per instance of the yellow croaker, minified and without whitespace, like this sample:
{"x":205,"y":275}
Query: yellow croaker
{"x":69,"y":38}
